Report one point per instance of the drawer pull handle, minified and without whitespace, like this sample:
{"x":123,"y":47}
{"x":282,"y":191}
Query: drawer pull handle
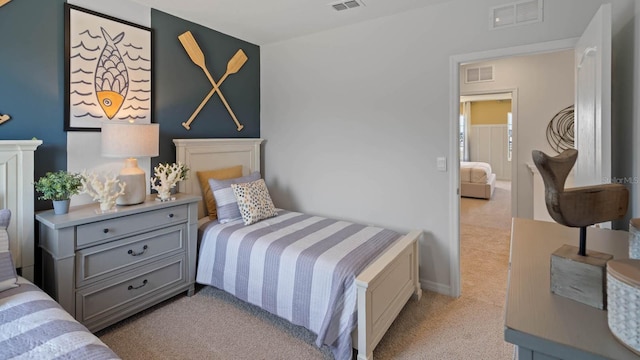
{"x":131,"y":287}
{"x":132,"y":253}
{"x":105,"y":231}
{"x":171,"y":215}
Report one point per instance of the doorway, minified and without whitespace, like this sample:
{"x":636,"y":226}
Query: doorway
{"x":455,"y":85}
{"x":486,"y":146}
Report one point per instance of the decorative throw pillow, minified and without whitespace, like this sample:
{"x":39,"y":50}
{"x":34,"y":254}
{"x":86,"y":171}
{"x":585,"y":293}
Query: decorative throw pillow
{"x":8,"y":276}
{"x":254,"y":201}
{"x":226,"y":203}
{"x":219,"y":174}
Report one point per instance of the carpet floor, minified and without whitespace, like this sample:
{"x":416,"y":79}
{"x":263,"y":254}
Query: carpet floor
{"x":214,"y":325}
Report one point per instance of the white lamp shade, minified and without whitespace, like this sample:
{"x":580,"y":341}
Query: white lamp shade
{"x":125,"y":140}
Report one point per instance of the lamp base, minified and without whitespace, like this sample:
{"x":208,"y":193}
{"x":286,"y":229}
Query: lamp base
{"x":136,"y":190}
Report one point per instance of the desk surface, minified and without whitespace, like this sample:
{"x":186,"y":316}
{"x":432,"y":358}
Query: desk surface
{"x":544,"y":322}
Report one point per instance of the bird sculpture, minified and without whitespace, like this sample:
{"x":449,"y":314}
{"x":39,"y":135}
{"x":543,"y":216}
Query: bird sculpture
{"x":579,"y":206}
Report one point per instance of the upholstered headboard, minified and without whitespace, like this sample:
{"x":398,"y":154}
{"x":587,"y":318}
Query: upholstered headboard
{"x":211,"y":154}
{"x":17,"y":195}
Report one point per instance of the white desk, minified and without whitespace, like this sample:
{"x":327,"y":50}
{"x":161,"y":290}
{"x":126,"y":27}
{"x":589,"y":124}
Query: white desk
{"x":547,"y":326}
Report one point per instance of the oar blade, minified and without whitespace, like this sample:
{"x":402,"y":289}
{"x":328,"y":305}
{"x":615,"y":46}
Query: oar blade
{"x":236,"y":62}
{"x":191,"y":47}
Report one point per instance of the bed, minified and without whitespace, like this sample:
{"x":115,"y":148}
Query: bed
{"x":353,"y":306}
{"x":476,"y":179}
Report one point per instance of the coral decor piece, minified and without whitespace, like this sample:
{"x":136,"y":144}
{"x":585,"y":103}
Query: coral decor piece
{"x":103,"y":188}
{"x":166,"y":178}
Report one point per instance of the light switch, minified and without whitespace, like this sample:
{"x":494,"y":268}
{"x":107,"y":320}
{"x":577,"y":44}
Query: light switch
{"x":442,"y":163}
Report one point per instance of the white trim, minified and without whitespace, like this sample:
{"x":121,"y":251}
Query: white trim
{"x":454,"y":152}
{"x":482,"y":96}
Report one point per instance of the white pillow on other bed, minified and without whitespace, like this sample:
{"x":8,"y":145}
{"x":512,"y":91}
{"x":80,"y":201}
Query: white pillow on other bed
{"x":8,"y":276}
{"x":254,"y":201}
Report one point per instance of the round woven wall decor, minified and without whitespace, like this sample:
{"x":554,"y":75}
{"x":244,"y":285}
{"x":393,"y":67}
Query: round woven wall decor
{"x":560,"y":130}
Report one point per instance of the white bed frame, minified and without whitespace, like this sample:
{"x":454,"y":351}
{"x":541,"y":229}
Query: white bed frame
{"x":384,"y":286}
{"x":17,"y":195}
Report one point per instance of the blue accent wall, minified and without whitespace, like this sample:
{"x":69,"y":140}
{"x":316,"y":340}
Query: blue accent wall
{"x":32,"y":82}
{"x":180,"y":85}
{"x":31,"y":79}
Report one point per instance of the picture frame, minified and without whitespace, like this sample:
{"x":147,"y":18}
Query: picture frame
{"x":108,"y":70}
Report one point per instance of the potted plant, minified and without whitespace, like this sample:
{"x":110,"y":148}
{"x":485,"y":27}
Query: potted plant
{"x":59,"y":186}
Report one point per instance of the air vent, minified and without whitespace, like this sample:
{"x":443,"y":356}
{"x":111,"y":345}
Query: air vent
{"x":517,"y":13}
{"x":479,"y":74}
{"x":345,"y":5}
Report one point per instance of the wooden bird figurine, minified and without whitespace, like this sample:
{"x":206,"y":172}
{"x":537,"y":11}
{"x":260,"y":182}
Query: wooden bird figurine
{"x":578,"y":206}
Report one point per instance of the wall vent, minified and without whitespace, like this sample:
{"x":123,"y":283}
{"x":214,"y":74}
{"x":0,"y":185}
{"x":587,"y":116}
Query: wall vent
{"x":345,"y":5}
{"x":516,"y":13}
{"x":478,"y":74}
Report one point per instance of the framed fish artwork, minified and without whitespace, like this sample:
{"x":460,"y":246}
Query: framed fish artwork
{"x":107,"y":70}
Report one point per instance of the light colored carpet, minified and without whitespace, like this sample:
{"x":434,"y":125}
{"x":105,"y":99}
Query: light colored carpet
{"x":214,"y":325}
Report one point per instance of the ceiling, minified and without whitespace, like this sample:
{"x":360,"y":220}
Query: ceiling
{"x":267,"y":21}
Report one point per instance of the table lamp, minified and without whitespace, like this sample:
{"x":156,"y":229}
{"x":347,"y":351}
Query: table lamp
{"x":130,"y":141}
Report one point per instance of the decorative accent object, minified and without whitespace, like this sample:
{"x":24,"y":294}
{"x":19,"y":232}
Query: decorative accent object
{"x":59,"y":186}
{"x":108,"y":70}
{"x":623,"y":314}
{"x":560,"y":130}
{"x":103,"y":188}
{"x":123,"y":140}
{"x":4,"y":2}
{"x":634,"y":238}
{"x":166,"y":178}
{"x":576,"y":273}
{"x":233,"y":66}
{"x":4,"y":118}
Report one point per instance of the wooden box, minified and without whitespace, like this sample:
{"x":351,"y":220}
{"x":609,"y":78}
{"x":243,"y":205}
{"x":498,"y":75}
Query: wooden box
{"x":580,"y":278}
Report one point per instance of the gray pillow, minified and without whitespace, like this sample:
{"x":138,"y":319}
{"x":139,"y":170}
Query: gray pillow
{"x":8,"y":276}
{"x":226,"y":203}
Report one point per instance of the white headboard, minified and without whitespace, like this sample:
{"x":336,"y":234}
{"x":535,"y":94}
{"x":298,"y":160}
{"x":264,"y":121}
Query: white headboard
{"x":17,"y":194}
{"x":210,"y":154}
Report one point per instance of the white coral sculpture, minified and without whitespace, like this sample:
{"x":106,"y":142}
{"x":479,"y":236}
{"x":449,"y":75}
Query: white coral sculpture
{"x":166,"y":178}
{"x":104,"y":191}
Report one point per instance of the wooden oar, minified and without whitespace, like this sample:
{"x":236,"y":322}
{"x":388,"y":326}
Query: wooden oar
{"x":3,"y":2}
{"x":195,"y":53}
{"x":4,"y":118}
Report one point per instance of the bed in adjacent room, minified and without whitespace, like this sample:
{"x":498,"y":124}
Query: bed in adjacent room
{"x":476,"y":179}
{"x":345,"y":282}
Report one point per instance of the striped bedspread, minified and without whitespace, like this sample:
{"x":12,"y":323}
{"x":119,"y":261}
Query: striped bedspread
{"x":299,"y":267}
{"x":33,"y":326}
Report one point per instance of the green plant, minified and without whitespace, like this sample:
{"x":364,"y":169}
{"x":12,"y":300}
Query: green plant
{"x":58,"y":185}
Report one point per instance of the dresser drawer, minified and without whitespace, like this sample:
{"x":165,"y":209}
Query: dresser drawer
{"x":101,"y":231}
{"x":112,"y":297}
{"x":98,"y":262}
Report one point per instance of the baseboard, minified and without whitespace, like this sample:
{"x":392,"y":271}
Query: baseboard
{"x":435,"y":287}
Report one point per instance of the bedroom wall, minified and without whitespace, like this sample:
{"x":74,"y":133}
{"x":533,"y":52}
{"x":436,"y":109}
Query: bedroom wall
{"x":32,"y":84}
{"x":355,"y":117}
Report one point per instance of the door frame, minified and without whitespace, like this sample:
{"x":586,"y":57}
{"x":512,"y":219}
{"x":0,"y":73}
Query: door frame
{"x":454,"y":152}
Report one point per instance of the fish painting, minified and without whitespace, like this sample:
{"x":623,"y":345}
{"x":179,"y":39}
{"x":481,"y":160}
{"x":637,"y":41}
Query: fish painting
{"x":111,"y":76}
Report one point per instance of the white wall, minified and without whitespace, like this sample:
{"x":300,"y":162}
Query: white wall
{"x":545,"y":86}
{"x":355,"y":117}
{"x":83,"y":148}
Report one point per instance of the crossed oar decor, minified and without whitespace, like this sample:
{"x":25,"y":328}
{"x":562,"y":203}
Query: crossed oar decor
{"x":4,"y":118}
{"x":233,"y":66}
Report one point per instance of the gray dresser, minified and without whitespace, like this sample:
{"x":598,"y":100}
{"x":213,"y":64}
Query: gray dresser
{"x":104,"y":267}
{"x":546,"y":326}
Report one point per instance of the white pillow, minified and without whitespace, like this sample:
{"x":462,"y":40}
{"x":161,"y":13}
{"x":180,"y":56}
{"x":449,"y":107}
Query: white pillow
{"x":8,"y":276}
{"x":254,"y":201}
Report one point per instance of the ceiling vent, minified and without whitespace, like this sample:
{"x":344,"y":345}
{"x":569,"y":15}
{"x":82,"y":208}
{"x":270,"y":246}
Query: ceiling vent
{"x":345,"y":5}
{"x":478,"y":74}
{"x":517,"y":13}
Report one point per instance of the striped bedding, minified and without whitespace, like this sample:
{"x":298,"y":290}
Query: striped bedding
{"x":299,"y":267}
{"x":34,"y":326}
